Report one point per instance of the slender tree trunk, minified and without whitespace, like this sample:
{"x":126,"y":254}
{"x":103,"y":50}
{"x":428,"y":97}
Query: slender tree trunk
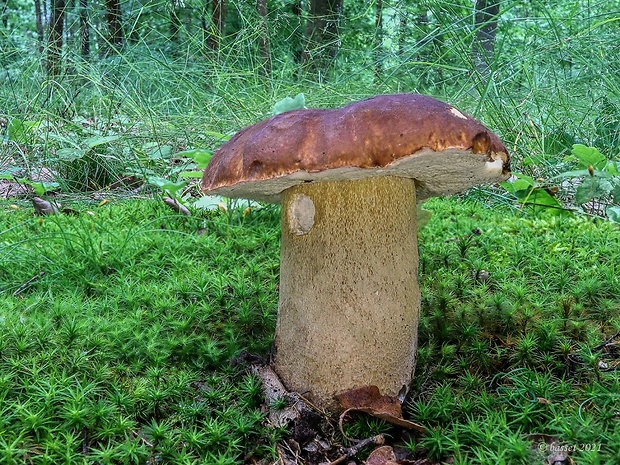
{"x":402,"y":29}
{"x":218,"y":21}
{"x":84,"y":30}
{"x":322,"y":35}
{"x":55,"y":39}
{"x":425,"y":36}
{"x":485,"y":22}
{"x":378,"y":39}
{"x":437,"y":42}
{"x":263,"y":39}
{"x":175,"y":22}
{"x":298,"y":35}
{"x":39,"y":24}
{"x":115,"y":23}
{"x":4,"y":5}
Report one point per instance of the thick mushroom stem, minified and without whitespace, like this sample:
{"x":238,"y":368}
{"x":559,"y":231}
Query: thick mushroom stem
{"x":349,"y":297}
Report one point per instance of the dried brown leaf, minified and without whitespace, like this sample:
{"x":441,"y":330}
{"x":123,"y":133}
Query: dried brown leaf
{"x":383,"y":455}
{"x":369,"y":400}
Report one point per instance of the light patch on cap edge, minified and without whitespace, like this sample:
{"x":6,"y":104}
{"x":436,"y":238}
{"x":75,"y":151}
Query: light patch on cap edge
{"x":495,"y":167}
{"x":457,"y":113}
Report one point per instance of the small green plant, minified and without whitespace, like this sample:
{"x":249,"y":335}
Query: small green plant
{"x":532,"y":194}
{"x":40,"y":188}
{"x":91,"y":164}
{"x":594,"y":185}
{"x":597,"y":180}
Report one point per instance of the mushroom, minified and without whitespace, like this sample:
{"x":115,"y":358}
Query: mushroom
{"x":348,"y":180}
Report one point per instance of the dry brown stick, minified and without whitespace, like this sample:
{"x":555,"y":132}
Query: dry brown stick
{"x":176,"y":206}
{"x":607,"y":342}
{"x":142,"y":438}
{"x":280,"y":455}
{"x":377,"y":440}
{"x":21,"y":288}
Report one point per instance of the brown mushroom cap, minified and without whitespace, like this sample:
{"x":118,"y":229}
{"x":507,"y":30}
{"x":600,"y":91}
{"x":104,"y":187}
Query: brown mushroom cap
{"x":406,"y":135}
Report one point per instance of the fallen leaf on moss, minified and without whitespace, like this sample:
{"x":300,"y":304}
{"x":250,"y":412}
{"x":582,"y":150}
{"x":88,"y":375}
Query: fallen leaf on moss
{"x":369,"y":400}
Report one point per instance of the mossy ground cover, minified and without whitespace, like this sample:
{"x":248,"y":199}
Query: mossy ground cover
{"x":122,"y":334}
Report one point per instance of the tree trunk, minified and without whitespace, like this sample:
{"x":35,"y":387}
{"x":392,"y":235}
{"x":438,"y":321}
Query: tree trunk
{"x":485,"y":22}
{"x":39,"y":24}
{"x":402,"y":30}
{"x":218,"y":22}
{"x":4,"y":4}
{"x":55,"y":39}
{"x":298,"y":35}
{"x":263,"y":38}
{"x":322,"y":35}
{"x":378,"y":39}
{"x":175,"y":22}
{"x":115,"y":24}
{"x":84,"y":30}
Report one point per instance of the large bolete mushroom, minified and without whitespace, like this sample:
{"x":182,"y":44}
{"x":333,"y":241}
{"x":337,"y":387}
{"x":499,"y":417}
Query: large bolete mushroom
{"x":348,"y":180}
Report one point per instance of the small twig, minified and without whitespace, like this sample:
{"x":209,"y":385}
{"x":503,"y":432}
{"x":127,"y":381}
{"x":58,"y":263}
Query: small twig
{"x":354,"y":450}
{"x":607,"y":342}
{"x":21,"y":288}
{"x":280,"y":456}
{"x":142,"y":438}
{"x":176,"y":206}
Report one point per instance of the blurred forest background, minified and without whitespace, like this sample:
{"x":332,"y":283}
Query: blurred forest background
{"x":101,"y":90}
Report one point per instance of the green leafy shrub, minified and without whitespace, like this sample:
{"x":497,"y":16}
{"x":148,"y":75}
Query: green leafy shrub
{"x":594,"y":185}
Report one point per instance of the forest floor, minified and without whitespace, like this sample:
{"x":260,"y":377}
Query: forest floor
{"x":128,"y":334}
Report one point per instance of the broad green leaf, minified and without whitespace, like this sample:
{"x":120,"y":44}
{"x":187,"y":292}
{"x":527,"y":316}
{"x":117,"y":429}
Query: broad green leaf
{"x":601,"y":187}
{"x":9,"y":173}
{"x":209,"y":202}
{"x":612,"y":168}
{"x":521,"y":184}
{"x":191,"y":174}
{"x":15,"y":130}
{"x":542,"y":197}
{"x":166,"y":185}
{"x":217,"y":135}
{"x":21,"y":131}
{"x":70,"y":154}
{"x":40,"y":187}
{"x":538,"y":197}
{"x":592,"y":188}
{"x":589,"y":156}
{"x":423,"y":216}
{"x":200,"y":156}
{"x":508,"y":186}
{"x":65,"y":140}
{"x":523,"y":177}
{"x":613,"y":213}
{"x":288,"y":104}
{"x":160,"y":152}
{"x":93,"y":142}
{"x":571,"y":174}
